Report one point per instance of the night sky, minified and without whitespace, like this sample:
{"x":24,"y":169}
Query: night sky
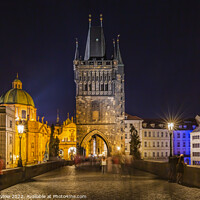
{"x":160,"y":47}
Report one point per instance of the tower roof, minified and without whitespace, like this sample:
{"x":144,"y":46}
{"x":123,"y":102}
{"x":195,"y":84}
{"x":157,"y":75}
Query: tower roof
{"x":95,"y":46}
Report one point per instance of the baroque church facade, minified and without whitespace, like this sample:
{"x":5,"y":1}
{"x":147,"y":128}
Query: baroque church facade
{"x":100,"y":97}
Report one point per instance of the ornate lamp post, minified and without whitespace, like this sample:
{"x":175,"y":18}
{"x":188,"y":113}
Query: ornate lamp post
{"x":170,"y":128}
{"x":20,"y":128}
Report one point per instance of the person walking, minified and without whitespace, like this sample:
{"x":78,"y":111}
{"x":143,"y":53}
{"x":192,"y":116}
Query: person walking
{"x":180,"y":169}
{"x":103,"y":164}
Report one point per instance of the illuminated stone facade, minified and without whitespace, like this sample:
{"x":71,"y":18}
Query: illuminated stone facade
{"x":36,"y":136}
{"x":67,"y":136}
{"x":99,"y":96}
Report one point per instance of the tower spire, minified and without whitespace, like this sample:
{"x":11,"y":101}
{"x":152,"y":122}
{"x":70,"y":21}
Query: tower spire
{"x":119,"y":58}
{"x":76,"y":57}
{"x":101,"y":20}
{"x":17,"y":76}
{"x":114,"y":49}
{"x":58,"y":118}
{"x":90,"y":20}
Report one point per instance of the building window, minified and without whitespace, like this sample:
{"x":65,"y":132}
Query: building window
{"x":145,"y":154}
{"x":183,"y":144}
{"x":10,"y":123}
{"x":157,"y":134}
{"x":178,"y":144}
{"x":178,"y":135}
{"x":166,"y":144}
{"x":106,"y":87}
{"x":153,"y":154}
{"x":90,"y":87}
{"x":185,"y":126}
{"x":183,"y":135}
{"x":153,"y":134}
{"x":145,"y":144}
{"x":178,"y":152}
{"x":125,"y":136}
{"x":23,"y":114}
{"x":126,"y":147}
{"x":161,"y":154}
{"x":195,"y":137}
{"x":166,"y":134}
{"x":32,"y":145}
{"x":149,"y":134}
{"x":166,"y":154}
{"x":145,"y":134}
{"x":10,"y":139}
{"x":157,"y":154}
{"x":102,"y":89}
{"x":153,"y":144}
{"x":158,"y":144}
{"x":161,"y":144}
{"x":161,"y":134}
{"x":149,"y":144}
{"x":125,"y":125}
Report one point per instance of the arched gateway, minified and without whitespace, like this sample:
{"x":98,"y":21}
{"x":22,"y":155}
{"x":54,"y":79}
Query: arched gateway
{"x":100,"y":98}
{"x":91,"y":138}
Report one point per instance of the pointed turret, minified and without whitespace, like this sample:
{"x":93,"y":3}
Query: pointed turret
{"x":119,"y":58}
{"x":58,"y":118}
{"x":76,"y":57}
{"x":114,"y":49}
{"x":95,"y":46}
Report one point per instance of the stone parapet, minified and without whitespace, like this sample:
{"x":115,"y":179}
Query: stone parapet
{"x":191,"y":175}
{"x":16,"y":175}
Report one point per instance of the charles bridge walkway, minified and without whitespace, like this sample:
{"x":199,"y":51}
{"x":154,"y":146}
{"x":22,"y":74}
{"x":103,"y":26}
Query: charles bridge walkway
{"x":87,"y":182}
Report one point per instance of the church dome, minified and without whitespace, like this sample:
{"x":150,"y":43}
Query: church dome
{"x":16,"y":95}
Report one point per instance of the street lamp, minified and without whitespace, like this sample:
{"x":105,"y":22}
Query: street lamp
{"x":170,"y":128}
{"x":20,"y":128}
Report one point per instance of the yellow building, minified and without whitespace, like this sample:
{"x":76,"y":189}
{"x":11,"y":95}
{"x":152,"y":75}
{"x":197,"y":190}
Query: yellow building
{"x":35,"y":139}
{"x":67,"y":136}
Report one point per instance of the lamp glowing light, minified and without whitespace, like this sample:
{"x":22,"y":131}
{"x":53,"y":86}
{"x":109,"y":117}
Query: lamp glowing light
{"x":170,"y":126}
{"x":118,"y":148}
{"x":20,"y":128}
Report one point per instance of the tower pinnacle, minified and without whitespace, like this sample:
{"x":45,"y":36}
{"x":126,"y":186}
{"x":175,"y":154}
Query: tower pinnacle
{"x":76,"y":57}
{"x":119,"y":58}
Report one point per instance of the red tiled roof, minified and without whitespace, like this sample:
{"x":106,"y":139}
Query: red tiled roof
{"x":130,"y":117}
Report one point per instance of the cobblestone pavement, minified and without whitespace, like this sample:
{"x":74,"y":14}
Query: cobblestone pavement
{"x":95,"y":185}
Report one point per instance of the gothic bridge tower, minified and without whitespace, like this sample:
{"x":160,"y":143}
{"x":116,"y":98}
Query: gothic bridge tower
{"x":100,"y":99}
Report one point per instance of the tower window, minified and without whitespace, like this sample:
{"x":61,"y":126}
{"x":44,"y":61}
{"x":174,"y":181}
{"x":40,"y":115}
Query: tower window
{"x":102,"y":89}
{"x":86,"y":87}
{"x":106,"y":87}
{"x":97,"y":39}
{"x":90,"y":87}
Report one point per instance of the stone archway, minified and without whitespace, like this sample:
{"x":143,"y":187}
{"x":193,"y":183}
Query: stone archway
{"x":92,"y":133}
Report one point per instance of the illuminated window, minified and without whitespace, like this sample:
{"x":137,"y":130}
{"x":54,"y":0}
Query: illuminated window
{"x":183,"y":135}
{"x":10,"y":123}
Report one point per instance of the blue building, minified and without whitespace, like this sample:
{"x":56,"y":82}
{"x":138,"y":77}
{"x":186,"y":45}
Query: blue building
{"x":181,"y":139}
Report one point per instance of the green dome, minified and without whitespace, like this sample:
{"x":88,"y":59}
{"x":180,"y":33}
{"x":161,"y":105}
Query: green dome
{"x":17,"y":96}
